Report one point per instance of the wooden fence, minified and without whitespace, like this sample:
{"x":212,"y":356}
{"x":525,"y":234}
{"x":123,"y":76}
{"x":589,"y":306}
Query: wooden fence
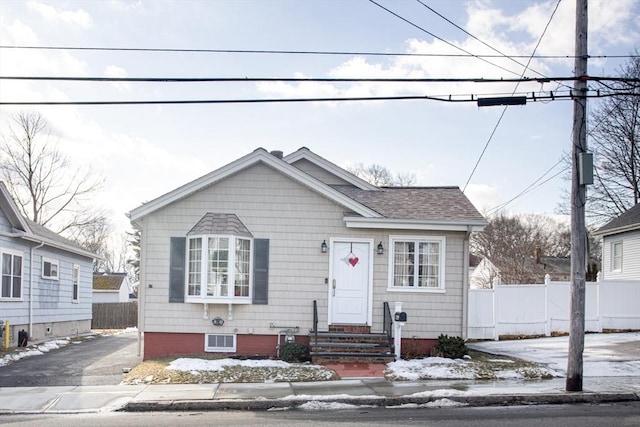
{"x":115,"y":315}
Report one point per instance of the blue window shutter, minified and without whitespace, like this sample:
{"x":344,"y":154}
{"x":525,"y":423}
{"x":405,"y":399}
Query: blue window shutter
{"x":260,"y":271}
{"x":177,"y":269}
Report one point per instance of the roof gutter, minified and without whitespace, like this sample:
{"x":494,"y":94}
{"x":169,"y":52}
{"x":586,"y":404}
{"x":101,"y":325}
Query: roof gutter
{"x":413,"y":224}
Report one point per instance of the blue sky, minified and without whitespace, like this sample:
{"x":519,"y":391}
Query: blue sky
{"x":147,"y":150}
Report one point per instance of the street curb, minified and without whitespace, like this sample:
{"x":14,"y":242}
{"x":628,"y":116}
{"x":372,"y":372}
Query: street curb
{"x":267,"y":404}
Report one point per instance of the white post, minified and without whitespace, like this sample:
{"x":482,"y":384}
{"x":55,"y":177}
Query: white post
{"x":547,"y":328}
{"x":397,"y":332}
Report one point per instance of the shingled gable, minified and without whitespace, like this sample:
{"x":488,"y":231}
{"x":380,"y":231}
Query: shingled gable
{"x":259,"y":155}
{"x":26,"y":229}
{"x":628,"y":221}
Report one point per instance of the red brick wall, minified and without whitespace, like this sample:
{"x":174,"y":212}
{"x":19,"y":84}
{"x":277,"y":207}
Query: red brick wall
{"x":159,"y":344}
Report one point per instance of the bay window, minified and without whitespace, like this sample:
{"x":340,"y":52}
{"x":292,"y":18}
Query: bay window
{"x":218,"y":268}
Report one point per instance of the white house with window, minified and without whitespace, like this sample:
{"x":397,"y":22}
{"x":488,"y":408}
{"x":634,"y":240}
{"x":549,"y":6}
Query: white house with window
{"x":621,"y":246}
{"x":46,"y":279}
{"x":272,"y":244}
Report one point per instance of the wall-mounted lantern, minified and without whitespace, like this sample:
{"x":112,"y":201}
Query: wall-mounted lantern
{"x":380,"y":249}
{"x":323,"y":247}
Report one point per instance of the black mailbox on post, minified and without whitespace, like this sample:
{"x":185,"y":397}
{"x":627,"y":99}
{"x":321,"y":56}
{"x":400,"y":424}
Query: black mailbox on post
{"x":400,"y":316}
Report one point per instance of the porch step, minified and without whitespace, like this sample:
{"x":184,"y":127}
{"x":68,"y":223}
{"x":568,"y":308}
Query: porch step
{"x":344,"y":347}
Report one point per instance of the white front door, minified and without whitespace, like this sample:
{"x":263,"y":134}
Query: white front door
{"x":350,"y":282}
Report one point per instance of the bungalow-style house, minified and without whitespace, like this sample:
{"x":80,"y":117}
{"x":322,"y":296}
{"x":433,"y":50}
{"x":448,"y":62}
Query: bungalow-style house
{"x":621,"y":246}
{"x":112,"y":288}
{"x":269,"y":249}
{"x":46,"y":279}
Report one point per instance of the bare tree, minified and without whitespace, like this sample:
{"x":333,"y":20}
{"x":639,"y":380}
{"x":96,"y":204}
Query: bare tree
{"x":615,"y":141}
{"x":381,"y":176}
{"x":47,"y":189}
{"x":515,"y":245}
{"x":134,"y":260}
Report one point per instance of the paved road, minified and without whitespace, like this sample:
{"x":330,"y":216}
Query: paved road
{"x":620,"y":414}
{"x":97,"y":361}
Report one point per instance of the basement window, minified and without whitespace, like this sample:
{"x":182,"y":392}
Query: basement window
{"x":220,"y":343}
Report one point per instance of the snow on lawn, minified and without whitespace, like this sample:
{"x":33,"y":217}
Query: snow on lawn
{"x":261,"y":370}
{"x":464,"y":369}
{"x":197,"y":365}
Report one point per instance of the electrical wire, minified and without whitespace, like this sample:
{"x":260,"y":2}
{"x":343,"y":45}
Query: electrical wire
{"x":441,"y":39}
{"x":504,"y":110}
{"x":440,"y":98}
{"x":504,"y":55}
{"x":532,"y":186}
{"x":299,"y":52}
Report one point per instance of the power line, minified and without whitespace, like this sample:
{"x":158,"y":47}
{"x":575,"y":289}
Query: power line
{"x":476,"y":38}
{"x":306,"y":79}
{"x":440,"y":38}
{"x":298,"y":52}
{"x":531,"y":186}
{"x":504,"y":110}
{"x":439,"y":98}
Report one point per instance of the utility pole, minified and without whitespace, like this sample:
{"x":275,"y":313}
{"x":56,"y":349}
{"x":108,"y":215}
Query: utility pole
{"x":578,"y":201}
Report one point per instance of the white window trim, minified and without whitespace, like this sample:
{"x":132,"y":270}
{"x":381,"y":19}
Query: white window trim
{"x":12,"y":253}
{"x":441,"y":266}
{"x":75,"y":268}
{"x":230,"y":298}
{"x":220,"y":349}
{"x":52,"y":262}
{"x":613,"y":257}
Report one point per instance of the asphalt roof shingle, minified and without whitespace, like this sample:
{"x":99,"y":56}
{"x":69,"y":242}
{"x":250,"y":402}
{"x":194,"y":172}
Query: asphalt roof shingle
{"x":629,"y":218}
{"x":425,"y":203}
{"x":220,"y":223}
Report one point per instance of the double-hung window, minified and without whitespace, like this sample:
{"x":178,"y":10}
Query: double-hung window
{"x":417,"y":263}
{"x":11,"y":275}
{"x":616,"y":256}
{"x":75,"y":283}
{"x":218,"y":268}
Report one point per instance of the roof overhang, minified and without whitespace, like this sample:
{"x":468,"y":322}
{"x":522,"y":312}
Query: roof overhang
{"x":617,"y":230}
{"x":411,"y":224}
{"x":258,"y":156}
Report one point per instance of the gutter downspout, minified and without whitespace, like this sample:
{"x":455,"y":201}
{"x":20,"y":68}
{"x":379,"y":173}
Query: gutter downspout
{"x":31,"y":285}
{"x":465,"y":284}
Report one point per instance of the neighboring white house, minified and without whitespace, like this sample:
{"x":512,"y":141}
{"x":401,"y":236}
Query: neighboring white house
{"x":111,"y":288}
{"x":46,"y":279}
{"x":621,"y":246}
{"x":236,"y":258}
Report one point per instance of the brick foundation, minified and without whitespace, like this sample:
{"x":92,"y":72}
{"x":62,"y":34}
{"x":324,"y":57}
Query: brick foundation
{"x":161,"y":344}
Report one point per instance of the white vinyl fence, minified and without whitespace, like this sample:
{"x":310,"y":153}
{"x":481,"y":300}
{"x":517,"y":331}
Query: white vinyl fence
{"x":544,"y":309}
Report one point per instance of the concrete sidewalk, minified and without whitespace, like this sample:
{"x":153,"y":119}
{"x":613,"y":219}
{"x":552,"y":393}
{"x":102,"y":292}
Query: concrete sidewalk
{"x":264,"y":396}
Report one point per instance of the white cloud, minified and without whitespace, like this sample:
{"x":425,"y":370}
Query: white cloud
{"x":483,"y":196}
{"x":79,"y":17}
{"x":117,"y":72}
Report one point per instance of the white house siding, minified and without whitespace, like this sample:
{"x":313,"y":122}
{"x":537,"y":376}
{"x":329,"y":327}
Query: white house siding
{"x":630,"y":256}
{"x":296,"y":220}
{"x":54,"y":312}
{"x":319,"y":173}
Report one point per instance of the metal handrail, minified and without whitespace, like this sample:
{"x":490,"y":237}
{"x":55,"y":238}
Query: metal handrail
{"x":388,"y":323}
{"x":315,"y":321}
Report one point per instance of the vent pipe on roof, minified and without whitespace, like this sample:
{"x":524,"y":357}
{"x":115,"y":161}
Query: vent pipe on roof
{"x":277,"y":153}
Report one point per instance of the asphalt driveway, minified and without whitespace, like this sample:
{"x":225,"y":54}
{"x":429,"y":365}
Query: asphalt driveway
{"x":99,"y":360}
